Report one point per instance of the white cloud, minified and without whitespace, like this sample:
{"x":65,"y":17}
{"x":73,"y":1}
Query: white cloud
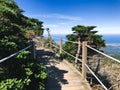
{"x":58,"y":16}
{"x":52,"y":25}
{"x":61,"y":31}
{"x":62,"y":23}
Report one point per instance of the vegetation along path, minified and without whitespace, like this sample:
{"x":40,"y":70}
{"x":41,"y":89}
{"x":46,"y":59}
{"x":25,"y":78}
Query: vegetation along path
{"x":61,"y":74}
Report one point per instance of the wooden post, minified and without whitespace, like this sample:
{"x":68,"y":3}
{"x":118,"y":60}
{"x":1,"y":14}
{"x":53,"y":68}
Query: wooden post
{"x":43,"y":42}
{"x":78,"y":51}
{"x":50,"y":37}
{"x":118,"y":81}
{"x":33,"y":49}
{"x":60,"y":45}
{"x":50,"y":43}
{"x":84,"y":59}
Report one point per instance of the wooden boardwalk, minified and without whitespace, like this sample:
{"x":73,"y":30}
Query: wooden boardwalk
{"x":61,"y":74}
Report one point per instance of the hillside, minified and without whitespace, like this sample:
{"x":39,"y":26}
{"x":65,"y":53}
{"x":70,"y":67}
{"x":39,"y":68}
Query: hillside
{"x":113,"y":50}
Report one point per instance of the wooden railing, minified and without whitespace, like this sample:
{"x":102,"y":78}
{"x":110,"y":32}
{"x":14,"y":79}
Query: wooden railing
{"x":85,"y":66}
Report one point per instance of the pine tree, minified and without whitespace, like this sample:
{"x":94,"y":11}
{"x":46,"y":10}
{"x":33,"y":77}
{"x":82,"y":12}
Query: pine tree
{"x":85,"y":33}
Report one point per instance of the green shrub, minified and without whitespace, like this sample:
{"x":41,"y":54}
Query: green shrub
{"x":14,"y":84}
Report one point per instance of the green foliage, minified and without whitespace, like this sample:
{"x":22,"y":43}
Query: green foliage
{"x":41,"y":71}
{"x":13,"y":26}
{"x":68,"y":46}
{"x":11,"y":35}
{"x":14,"y":84}
{"x":21,"y":72}
{"x":23,"y":55}
{"x":27,"y":74}
{"x":84,"y":33}
{"x":36,"y":72}
{"x":28,"y":71}
{"x":41,"y":86}
{"x":87,"y":33}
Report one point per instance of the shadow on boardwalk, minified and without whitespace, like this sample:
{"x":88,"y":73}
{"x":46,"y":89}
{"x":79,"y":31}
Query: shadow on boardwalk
{"x":55,"y":75}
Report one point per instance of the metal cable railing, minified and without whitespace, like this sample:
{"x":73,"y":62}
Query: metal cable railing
{"x":86,"y":66}
{"x":71,"y":55}
{"x":12,"y":55}
{"x":104,"y":54}
{"x":96,"y":77}
{"x":68,"y":53}
{"x":87,"y":46}
{"x":113,"y":86}
{"x":93,"y":72}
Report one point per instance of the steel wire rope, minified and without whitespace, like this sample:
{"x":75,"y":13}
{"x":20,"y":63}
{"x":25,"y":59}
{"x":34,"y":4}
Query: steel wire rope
{"x":96,"y":77}
{"x":86,"y":66}
{"x":6,"y":58}
{"x":68,"y":54}
{"x":104,"y":54}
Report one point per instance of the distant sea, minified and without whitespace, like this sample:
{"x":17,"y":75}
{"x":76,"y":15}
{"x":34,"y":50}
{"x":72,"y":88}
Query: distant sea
{"x":112,"y":39}
{"x":112,"y":42}
{"x":113,"y":45}
{"x":109,"y":39}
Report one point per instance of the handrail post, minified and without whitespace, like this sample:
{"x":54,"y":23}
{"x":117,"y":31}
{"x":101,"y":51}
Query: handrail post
{"x":78,"y":51}
{"x":50,"y":43}
{"x":33,"y":49}
{"x":60,"y":46}
{"x":84,"y":59}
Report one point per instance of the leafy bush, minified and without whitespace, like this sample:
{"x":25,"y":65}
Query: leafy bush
{"x":18,"y":73}
{"x":36,"y":72}
{"x":14,"y":84}
{"x":29,"y":74}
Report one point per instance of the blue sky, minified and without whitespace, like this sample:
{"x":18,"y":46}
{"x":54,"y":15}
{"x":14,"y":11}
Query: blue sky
{"x":61,"y":15}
